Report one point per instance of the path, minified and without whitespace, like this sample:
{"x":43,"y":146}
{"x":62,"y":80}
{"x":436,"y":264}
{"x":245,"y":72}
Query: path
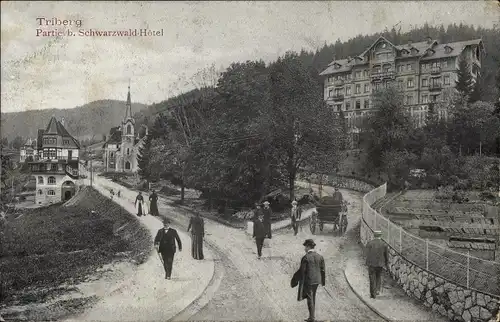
{"x":146,"y":295}
{"x":252,"y":289}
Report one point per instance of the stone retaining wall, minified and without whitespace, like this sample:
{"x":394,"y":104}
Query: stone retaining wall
{"x":453,"y":301}
{"x":338,"y":181}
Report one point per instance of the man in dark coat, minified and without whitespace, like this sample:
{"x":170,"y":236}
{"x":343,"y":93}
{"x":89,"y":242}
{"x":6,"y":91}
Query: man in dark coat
{"x":337,"y":196}
{"x":268,"y":213}
{"x":376,"y":258}
{"x":165,"y":245}
{"x":259,"y":233}
{"x":309,"y":276}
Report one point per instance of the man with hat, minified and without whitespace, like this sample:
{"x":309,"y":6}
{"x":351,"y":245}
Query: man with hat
{"x":165,"y":246}
{"x":337,"y":196}
{"x":259,"y":233}
{"x":377,"y":257}
{"x":309,"y":276}
{"x":268,"y":213}
{"x":295,"y":215}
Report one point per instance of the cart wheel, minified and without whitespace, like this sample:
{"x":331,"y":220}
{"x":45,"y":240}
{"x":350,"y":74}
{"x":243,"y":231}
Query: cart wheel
{"x":312,"y":225}
{"x":321,"y":226}
{"x":343,"y":224}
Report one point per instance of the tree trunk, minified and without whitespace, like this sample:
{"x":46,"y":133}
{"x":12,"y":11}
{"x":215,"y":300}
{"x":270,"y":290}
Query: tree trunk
{"x":291,"y":183}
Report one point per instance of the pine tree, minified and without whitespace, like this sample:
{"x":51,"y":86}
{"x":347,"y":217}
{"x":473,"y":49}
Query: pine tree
{"x":143,"y":158}
{"x":464,"y":81}
{"x":476,"y":93}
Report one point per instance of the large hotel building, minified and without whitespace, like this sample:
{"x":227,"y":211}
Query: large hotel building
{"x":425,"y":71}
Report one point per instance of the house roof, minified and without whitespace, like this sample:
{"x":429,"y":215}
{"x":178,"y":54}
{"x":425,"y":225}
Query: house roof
{"x":56,"y":128}
{"x":115,"y":136}
{"x":422,"y":47}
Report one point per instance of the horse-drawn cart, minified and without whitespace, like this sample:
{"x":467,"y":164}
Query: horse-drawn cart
{"x":329,"y":211}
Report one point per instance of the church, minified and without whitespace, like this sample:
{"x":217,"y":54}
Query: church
{"x":121,"y":149}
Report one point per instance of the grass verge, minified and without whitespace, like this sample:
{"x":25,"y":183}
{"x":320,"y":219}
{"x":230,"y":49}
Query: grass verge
{"x":46,"y":249}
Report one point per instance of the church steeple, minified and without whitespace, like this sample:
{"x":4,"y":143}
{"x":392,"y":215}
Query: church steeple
{"x":128,"y":112}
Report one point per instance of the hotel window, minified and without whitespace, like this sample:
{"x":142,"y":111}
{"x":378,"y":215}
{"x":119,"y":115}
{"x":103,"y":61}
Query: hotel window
{"x":425,"y":98}
{"x":434,"y":98}
{"x":447,"y":80}
{"x":409,"y":67}
{"x":128,"y":151}
{"x":367,"y":89}
{"x":409,"y":99}
{"x":358,"y":104}
{"x":358,"y":88}
{"x":348,"y":90}
{"x":337,"y":92}
{"x":52,"y":154}
{"x":51,"y":193}
{"x":330,"y":93}
{"x":53,"y":167}
{"x":338,"y":108}
{"x":347,"y":106}
{"x":358,"y":74}
{"x":40,"y":180}
{"x":365,"y":73}
{"x":409,"y":83}
{"x":425,"y":82}
{"x":378,"y":86}
{"x":51,"y":180}
{"x":365,"y":103}
{"x":400,"y":84}
{"x":40,"y":192}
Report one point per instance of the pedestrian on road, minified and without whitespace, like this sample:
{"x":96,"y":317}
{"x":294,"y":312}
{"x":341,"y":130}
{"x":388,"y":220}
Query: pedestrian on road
{"x":259,"y":233}
{"x":118,"y":194}
{"x":257,"y":212}
{"x":310,"y":274}
{"x":268,"y":213}
{"x":139,"y":204}
{"x":295,"y":217}
{"x":165,"y":245}
{"x":197,"y":226}
{"x":337,"y":196}
{"x":376,"y":258}
{"x":112,"y":193}
{"x":153,"y":201}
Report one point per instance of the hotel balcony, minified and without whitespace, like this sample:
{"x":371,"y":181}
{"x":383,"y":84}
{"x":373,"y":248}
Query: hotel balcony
{"x":435,"y":70}
{"x":336,"y":97}
{"x":338,"y":83}
{"x":383,"y":75}
{"x":58,"y":159}
{"x":435,"y":87}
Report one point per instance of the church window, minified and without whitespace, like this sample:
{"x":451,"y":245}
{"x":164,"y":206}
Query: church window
{"x":129,"y":129}
{"x":51,"y":180}
{"x":128,"y":151}
{"x":127,"y":165}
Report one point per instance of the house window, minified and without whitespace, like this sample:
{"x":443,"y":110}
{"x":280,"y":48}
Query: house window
{"x":51,"y":193}
{"x":66,"y":142}
{"x":425,"y":82}
{"x":338,"y":107}
{"x":434,"y":98}
{"x":129,"y":129}
{"x":53,"y":167}
{"x":409,"y":99}
{"x":358,"y":88}
{"x":40,"y":192}
{"x":358,"y":74}
{"x":409,"y":83}
{"x":365,"y":73}
{"x":358,"y":104}
{"x":365,"y":103}
{"x":400,"y":84}
{"x":337,"y":92}
{"x":378,"y":86}
{"x":367,"y":89}
{"x":347,"y":106}
{"x":51,"y":180}
{"x":348,"y":90}
{"x":425,"y":98}
{"x":52,"y":154}
{"x":40,"y":180}
{"x":127,"y":165}
{"x":409,"y":67}
{"x":128,"y":151}
{"x":447,"y":80}
{"x":330,"y":93}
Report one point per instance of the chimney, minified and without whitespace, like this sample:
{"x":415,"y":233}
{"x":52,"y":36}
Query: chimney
{"x":429,"y":40}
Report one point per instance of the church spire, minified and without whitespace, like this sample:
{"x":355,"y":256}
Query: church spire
{"x":128,"y":112}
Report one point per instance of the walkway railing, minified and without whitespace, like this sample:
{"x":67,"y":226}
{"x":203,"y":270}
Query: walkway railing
{"x":462,"y":269}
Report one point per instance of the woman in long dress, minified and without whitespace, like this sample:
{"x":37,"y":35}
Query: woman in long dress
{"x":139,"y":204}
{"x":153,"y":204}
{"x":197,"y":226}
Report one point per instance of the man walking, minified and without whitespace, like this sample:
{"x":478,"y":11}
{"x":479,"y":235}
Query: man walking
{"x":309,"y":276}
{"x":165,"y":245}
{"x":295,"y":216}
{"x":268,"y":213}
{"x":259,"y":233}
{"x":337,"y":196}
{"x":376,"y":258}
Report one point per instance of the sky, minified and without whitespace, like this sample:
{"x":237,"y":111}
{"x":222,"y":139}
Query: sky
{"x":42,"y":72}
